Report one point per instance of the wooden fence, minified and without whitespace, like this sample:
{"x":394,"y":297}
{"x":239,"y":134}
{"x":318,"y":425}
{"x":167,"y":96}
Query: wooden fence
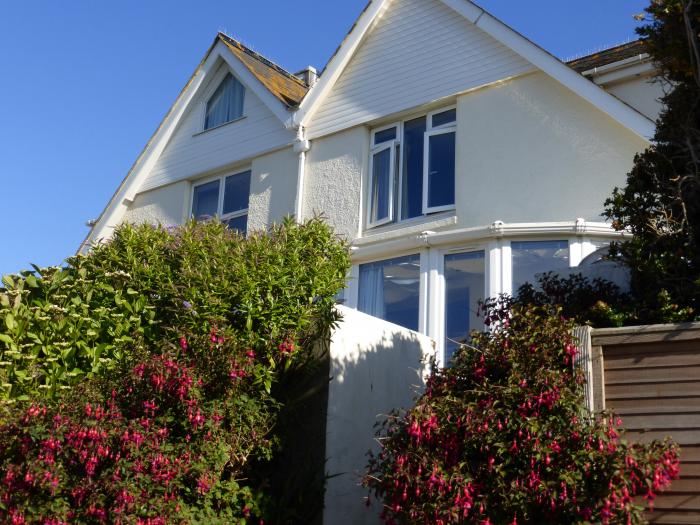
{"x":650,"y":377}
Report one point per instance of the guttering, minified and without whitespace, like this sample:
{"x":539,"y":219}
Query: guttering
{"x":366,"y":249}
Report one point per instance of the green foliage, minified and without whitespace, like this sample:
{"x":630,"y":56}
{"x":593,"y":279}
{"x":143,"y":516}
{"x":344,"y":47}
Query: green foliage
{"x":62,"y":325}
{"x":660,"y":205}
{"x":503,"y":437}
{"x":183,"y":340}
{"x":596,"y":302}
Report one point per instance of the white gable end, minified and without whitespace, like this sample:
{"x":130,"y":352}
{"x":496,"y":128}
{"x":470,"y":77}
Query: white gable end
{"x":191,"y":151}
{"x":418,"y":51}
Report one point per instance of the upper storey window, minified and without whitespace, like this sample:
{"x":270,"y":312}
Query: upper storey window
{"x":225,"y":104}
{"x":224,"y":197}
{"x":412,"y":168}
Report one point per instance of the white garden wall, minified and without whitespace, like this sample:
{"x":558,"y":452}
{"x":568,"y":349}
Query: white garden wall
{"x":375,"y":367}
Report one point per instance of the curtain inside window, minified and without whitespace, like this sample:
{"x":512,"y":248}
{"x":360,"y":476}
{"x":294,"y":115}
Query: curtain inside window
{"x":371,"y":300}
{"x":226,"y":103}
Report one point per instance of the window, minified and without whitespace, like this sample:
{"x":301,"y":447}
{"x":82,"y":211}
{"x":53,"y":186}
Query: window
{"x":532,"y":258}
{"x":412,"y":168}
{"x":226,"y":104}
{"x":464,"y":288}
{"x":230,"y":205}
{"x":390,"y":290}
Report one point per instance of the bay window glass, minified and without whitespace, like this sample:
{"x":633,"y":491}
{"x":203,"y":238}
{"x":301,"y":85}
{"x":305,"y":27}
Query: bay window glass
{"x":389,"y":290}
{"x":464,"y":288}
{"x":532,"y":258}
{"x":226,"y":104}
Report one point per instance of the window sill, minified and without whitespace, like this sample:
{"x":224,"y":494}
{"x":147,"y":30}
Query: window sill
{"x":219,"y":126}
{"x":408,"y":227}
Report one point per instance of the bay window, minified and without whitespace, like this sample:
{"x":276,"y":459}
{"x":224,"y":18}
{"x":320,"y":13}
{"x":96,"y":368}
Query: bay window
{"x":533,"y":258}
{"x":389,"y":290}
{"x":412,"y":168}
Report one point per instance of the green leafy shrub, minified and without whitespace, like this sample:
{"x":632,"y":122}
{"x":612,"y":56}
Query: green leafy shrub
{"x":660,"y":203}
{"x":501,"y":437}
{"x":168,"y":422}
{"x":61,"y":325}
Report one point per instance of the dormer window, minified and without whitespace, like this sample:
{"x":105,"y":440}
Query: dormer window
{"x":226,"y":104}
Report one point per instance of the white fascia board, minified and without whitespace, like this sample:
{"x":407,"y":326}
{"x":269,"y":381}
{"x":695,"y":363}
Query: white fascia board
{"x":337,"y":64}
{"x":555,"y":68}
{"x":249,"y":81}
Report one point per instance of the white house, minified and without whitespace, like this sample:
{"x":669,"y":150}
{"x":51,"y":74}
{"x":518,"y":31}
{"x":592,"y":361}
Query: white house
{"x":458,"y":157}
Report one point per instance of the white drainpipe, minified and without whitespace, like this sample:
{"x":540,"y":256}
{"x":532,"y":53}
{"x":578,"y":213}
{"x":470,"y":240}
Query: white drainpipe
{"x":301,"y":146}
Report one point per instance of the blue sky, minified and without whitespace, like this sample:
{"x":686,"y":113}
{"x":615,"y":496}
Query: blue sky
{"x":84,"y":84}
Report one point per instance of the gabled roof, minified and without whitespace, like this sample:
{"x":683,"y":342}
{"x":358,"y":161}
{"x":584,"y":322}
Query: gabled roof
{"x":286,"y":87}
{"x":278,"y":89}
{"x":608,"y":56}
{"x":540,"y":58}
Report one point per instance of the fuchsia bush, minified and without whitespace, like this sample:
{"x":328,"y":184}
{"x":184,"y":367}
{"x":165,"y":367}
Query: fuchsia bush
{"x":501,"y":437}
{"x":158,"y":450}
{"x":142,"y":383}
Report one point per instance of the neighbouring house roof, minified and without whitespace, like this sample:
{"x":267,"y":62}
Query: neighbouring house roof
{"x":286,"y":87}
{"x":608,"y":56}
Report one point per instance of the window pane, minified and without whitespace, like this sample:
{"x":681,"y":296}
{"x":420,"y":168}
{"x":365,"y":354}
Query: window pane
{"x":464,"y":288}
{"x":390,"y":290}
{"x":240,"y":224}
{"x":226,"y":103}
{"x":532,"y":258}
{"x":441,"y":170}
{"x":384,"y":136}
{"x":446,"y":117}
{"x":236,"y":191}
{"x":205,"y":203}
{"x":412,"y":176}
{"x":381,"y":185}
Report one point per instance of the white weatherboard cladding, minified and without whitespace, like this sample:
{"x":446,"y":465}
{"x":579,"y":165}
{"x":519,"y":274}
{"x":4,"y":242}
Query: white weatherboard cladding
{"x":530,"y":150}
{"x":419,"y":51}
{"x":272,"y":188}
{"x":166,"y":205}
{"x":190,"y":153}
{"x":333,"y":184}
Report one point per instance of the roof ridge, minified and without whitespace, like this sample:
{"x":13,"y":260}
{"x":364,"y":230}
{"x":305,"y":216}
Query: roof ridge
{"x":269,"y":63}
{"x":611,"y":49}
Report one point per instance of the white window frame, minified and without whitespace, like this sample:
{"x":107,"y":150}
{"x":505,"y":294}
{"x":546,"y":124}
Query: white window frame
{"x":391,"y":145}
{"x":426,"y":170}
{"x":222,"y":187}
{"x":397,"y":166}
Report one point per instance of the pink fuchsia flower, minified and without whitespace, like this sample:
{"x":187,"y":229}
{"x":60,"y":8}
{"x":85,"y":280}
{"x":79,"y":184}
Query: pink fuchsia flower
{"x":286,"y":347}
{"x":183,"y":343}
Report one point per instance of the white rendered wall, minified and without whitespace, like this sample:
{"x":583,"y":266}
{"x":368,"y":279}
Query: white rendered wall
{"x":335,"y":167}
{"x":166,"y":205}
{"x":191,"y":152}
{"x":272,"y":188}
{"x":529,"y":150}
{"x":418,"y":51}
{"x":641,"y":93}
{"x":375,"y":367}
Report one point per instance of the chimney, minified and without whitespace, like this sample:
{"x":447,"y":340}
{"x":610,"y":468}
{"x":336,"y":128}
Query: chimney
{"x":308,"y":75}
